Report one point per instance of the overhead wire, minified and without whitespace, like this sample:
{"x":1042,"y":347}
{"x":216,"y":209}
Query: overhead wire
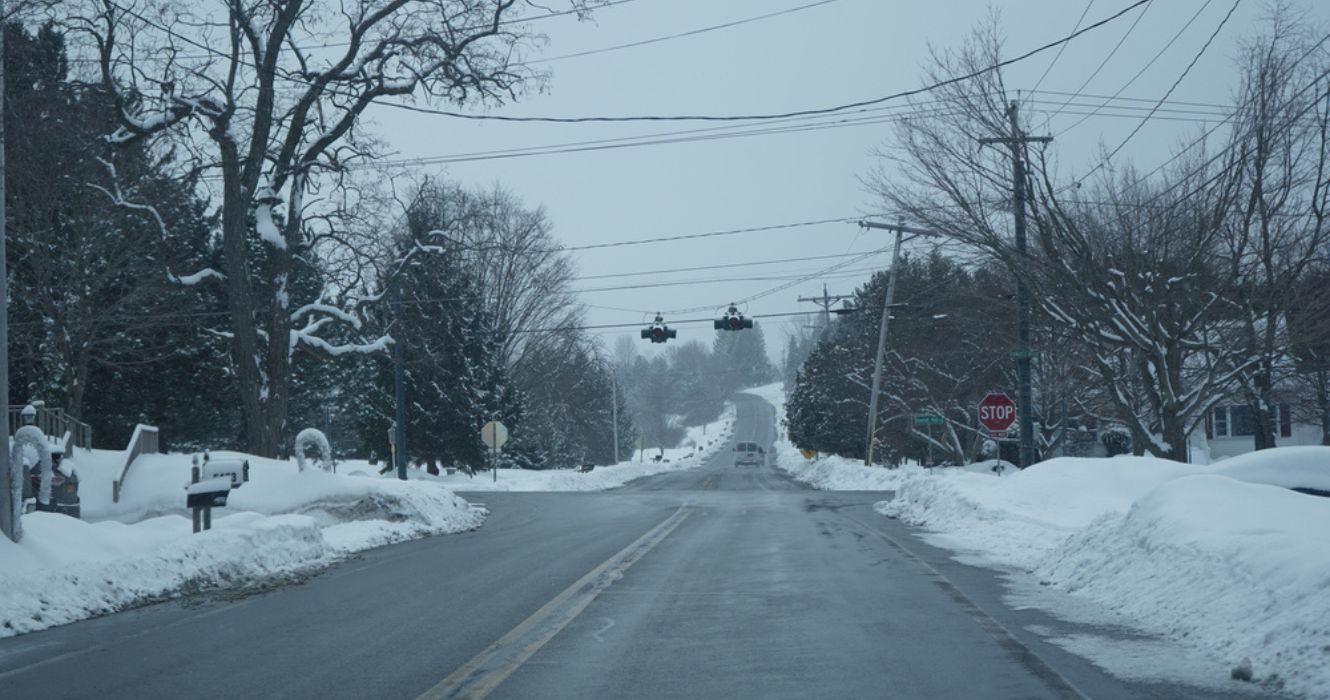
{"x":1063,"y":48}
{"x":1174,"y":86}
{"x":781,"y":115}
{"x":1154,"y":59}
{"x":680,"y":35}
{"x":1111,"y":53}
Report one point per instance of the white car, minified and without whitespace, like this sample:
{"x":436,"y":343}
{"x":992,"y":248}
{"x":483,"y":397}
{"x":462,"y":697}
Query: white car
{"x":749,"y":454}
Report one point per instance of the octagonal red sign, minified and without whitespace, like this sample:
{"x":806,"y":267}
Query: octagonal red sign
{"x":997,"y":412}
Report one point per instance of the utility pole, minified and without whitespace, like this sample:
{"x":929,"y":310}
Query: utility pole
{"x":1024,"y":392}
{"x":887,"y":305}
{"x":10,"y":508}
{"x":825,"y":301}
{"x":614,"y":411}
{"x":399,"y":381}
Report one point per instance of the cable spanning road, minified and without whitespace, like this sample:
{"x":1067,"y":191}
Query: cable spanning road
{"x":718,"y":582}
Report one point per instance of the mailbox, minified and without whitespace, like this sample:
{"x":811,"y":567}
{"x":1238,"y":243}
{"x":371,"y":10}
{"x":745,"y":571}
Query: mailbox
{"x":211,"y":481}
{"x":236,"y":471}
{"x":209,"y":493}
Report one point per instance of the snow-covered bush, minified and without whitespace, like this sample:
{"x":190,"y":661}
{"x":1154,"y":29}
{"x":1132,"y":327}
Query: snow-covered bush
{"x":313,"y":437}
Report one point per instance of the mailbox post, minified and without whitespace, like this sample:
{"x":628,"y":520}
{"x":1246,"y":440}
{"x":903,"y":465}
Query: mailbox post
{"x":211,"y":482}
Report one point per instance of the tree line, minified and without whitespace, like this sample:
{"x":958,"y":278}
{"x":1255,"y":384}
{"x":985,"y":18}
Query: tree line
{"x":1157,"y":296}
{"x":150,"y":283}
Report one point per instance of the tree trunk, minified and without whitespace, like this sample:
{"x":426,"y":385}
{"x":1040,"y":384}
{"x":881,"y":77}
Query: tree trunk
{"x":1261,"y":404}
{"x":1323,"y":405}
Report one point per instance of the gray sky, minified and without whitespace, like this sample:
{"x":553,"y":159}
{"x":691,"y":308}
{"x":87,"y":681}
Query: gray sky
{"x":833,"y":53}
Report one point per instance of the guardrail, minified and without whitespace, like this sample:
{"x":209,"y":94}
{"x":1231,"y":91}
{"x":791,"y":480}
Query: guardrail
{"x":54,"y":422}
{"x":143,"y":441}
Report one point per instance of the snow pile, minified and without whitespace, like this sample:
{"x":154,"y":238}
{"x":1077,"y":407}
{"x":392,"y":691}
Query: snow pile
{"x":1237,"y":569}
{"x":1290,"y":467}
{"x":1015,"y":520}
{"x":282,"y":523}
{"x":1208,"y":556}
{"x":66,"y":570}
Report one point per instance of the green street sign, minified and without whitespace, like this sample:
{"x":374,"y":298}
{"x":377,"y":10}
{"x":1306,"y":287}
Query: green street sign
{"x":928,"y":419}
{"x":1023,"y":354}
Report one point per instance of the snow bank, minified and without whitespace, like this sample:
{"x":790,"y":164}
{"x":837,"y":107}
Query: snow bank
{"x":1012,"y":522}
{"x":66,"y":570}
{"x":283,"y":522}
{"x":1224,"y":559}
{"x":1240,"y":570}
{"x":1207,"y":556}
{"x":1290,"y":467}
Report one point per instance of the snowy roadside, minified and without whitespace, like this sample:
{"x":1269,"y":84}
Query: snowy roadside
{"x":1221,"y":559}
{"x":282,"y":524}
{"x":700,"y":444}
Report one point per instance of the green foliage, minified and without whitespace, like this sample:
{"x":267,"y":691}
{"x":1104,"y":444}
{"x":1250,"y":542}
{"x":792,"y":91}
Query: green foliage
{"x":948,"y":344}
{"x":96,"y":328}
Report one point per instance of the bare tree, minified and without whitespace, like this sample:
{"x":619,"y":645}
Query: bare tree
{"x":268,"y":95}
{"x":1281,"y":142}
{"x":1132,"y":280}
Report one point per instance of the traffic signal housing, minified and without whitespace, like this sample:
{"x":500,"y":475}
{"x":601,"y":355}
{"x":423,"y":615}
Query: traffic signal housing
{"x":658,"y":332}
{"x":733,"y":321}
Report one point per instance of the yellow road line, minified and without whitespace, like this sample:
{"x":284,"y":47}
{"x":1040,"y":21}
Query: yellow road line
{"x":479,"y":677}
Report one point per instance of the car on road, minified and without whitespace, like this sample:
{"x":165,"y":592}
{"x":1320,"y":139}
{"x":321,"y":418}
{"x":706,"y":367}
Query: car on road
{"x":749,"y":454}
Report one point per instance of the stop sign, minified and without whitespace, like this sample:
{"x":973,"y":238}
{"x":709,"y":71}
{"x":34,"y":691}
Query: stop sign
{"x":997,"y":412}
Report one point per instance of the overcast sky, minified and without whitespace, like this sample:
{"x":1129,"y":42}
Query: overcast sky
{"x":827,"y":53}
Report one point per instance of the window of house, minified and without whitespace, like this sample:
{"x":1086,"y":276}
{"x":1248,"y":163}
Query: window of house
{"x":1239,"y":421}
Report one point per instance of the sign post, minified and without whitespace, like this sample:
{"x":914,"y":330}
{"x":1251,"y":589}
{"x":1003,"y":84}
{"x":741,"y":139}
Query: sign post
{"x":997,"y":413}
{"x":494,"y":435}
{"x":928,"y":420}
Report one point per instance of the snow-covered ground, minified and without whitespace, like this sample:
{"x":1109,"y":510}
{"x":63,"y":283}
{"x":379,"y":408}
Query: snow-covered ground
{"x":284,"y":522}
{"x":1220,"y":558}
{"x":699,"y":445}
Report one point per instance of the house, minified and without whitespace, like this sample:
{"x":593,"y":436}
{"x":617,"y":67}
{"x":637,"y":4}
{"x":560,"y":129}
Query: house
{"x":1229,"y":431}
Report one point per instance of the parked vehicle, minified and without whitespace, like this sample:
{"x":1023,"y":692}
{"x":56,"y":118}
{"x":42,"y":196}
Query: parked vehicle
{"x":749,"y":454}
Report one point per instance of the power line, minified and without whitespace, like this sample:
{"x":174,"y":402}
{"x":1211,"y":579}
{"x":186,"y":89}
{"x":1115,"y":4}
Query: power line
{"x":717,"y":267}
{"x":780,"y":115}
{"x":1062,"y":48}
{"x":1148,"y":64}
{"x":710,"y":234}
{"x":1171,"y":88}
{"x":1201,"y":139}
{"x":680,"y":35}
{"x":1111,"y":53}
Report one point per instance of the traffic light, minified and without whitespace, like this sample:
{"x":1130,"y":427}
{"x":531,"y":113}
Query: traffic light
{"x":733,"y":321}
{"x":658,"y":332}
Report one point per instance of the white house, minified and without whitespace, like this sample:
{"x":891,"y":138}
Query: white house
{"x":1229,"y":431}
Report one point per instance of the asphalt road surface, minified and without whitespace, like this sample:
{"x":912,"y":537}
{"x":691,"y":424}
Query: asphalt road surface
{"x":718,"y":582}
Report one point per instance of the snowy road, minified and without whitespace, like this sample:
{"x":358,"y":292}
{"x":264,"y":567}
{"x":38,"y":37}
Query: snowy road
{"x":715,"y":582}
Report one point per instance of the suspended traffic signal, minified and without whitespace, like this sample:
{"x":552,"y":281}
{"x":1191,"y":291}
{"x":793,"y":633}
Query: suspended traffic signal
{"x":733,"y":321}
{"x":658,"y":332}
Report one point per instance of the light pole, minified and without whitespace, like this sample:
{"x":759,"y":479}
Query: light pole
{"x":882,"y":329}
